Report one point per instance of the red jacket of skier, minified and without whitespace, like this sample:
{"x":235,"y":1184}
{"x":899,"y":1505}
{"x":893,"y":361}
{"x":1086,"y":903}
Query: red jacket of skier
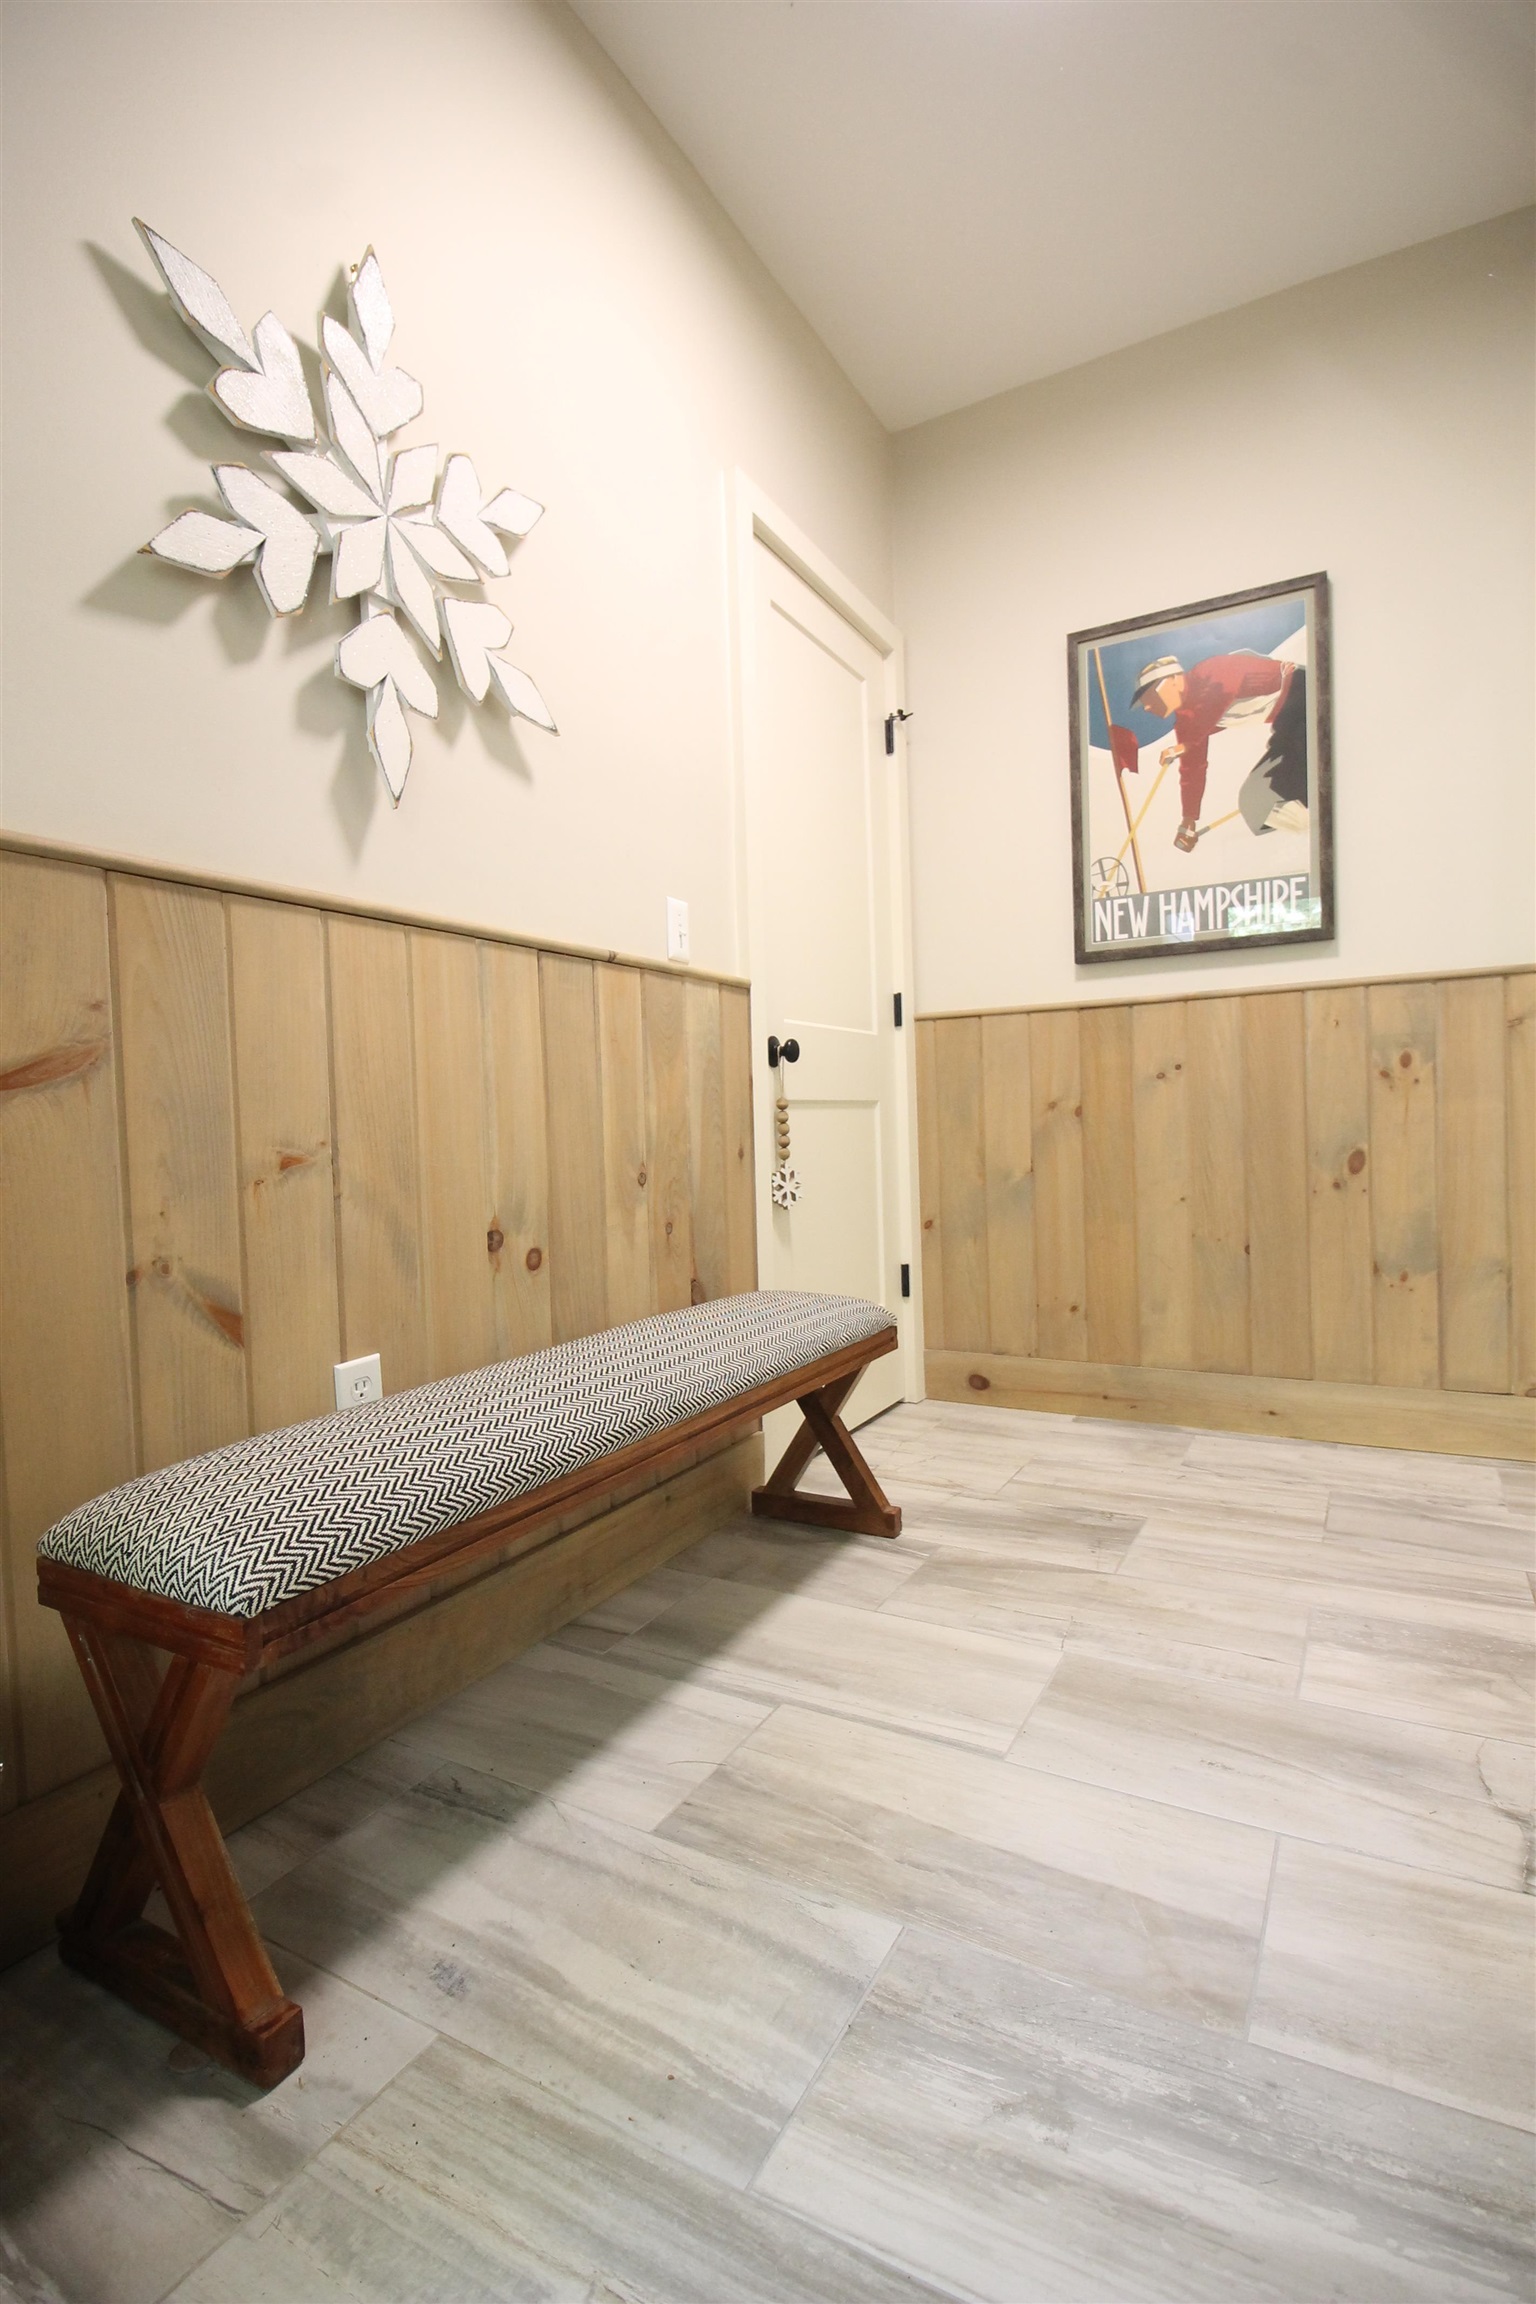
{"x":1211,"y":690}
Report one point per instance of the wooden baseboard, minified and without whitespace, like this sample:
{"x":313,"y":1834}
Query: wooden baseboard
{"x":1362,"y":1415}
{"x":291,"y":1730}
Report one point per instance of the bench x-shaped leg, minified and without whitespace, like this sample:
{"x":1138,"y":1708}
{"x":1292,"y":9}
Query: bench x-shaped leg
{"x":212,"y":1981}
{"x":866,"y":1511}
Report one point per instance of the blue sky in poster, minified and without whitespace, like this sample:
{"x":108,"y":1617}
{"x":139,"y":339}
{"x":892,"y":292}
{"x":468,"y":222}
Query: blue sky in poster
{"x":1261,"y":628}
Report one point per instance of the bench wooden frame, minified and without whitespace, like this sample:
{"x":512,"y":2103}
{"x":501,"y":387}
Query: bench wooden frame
{"x":163,"y":1676}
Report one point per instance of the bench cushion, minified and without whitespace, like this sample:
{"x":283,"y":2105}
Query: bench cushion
{"x":266,"y":1519}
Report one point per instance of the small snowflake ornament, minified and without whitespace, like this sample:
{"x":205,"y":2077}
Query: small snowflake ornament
{"x":396,"y":532}
{"x":784,"y":1184}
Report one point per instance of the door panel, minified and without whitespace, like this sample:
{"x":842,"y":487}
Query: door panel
{"x":823,"y":923}
{"x":842,"y":1239}
{"x":824,"y":893}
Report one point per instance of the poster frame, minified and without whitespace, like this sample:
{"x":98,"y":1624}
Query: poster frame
{"x":1320,"y":668}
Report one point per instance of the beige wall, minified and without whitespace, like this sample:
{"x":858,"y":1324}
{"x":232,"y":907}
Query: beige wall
{"x":590,"y":328}
{"x":586,"y":325}
{"x":1376,"y":424}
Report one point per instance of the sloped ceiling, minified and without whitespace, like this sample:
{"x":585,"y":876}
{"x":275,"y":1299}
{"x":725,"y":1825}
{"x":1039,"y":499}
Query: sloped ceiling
{"x":961,"y":195}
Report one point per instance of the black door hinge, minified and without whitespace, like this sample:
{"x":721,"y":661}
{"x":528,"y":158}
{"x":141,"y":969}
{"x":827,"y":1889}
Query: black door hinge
{"x":892,"y":721}
{"x":896,"y":1004}
{"x":906,"y":1279}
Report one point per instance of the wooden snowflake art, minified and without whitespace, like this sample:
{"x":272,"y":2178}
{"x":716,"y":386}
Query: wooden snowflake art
{"x":398,"y":531}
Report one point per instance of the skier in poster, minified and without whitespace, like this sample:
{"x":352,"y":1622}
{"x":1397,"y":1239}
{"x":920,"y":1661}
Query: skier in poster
{"x":1217,"y":693}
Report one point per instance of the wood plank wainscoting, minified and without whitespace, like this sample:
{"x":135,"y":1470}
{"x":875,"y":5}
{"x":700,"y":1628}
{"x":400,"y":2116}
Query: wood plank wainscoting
{"x":243,"y":1136}
{"x":1306,"y":1212}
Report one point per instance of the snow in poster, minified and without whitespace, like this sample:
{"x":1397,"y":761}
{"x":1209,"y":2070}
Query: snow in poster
{"x":1201,"y":776}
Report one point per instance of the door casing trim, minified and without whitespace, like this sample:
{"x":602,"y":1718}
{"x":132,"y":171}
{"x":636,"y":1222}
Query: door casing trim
{"x":753,"y":518}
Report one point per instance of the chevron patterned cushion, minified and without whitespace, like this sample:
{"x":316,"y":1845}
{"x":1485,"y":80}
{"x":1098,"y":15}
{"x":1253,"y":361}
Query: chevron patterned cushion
{"x":250,"y":1525}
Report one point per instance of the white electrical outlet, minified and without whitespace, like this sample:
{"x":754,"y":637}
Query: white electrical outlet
{"x":358,"y":1380}
{"x":677,"y":928}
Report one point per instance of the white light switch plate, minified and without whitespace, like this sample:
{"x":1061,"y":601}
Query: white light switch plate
{"x":358,"y":1380}
{"x":677,"y":928}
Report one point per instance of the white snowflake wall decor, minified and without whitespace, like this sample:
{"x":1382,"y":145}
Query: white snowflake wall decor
{"x":397,"y":532}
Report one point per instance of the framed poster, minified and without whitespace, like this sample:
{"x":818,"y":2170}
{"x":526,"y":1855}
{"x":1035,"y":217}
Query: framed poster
{"x":1202,"y":787}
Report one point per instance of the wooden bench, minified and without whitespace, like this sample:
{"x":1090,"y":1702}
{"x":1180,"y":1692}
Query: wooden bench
{"x":178,"y":1585}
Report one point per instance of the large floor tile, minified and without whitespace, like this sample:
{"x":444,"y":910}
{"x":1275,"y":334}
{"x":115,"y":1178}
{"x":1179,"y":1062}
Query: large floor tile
{"x":956,"y":1469}
{"x":1471,"y":1668}
{"x":1052,"y":1529}
{"x":1235,"y":1632}
{"x":671,"y":1996}
{"x":1226,"y":1502}
{"x":467,"y":2184}
{"x":22,"y":2279}
{"x":1104,"y":1440}
{"x":1330,"y":1573}
{"x":970,"y":1687}
{"x":121,"y":2168}
{"x":998,"y":1441}
{"x":818,"y":1563}
{"x":1116,"y":1892}
{"x":979,"y":1451}
{"x":1518,"y":1484}
{"x":1032,"y":2143}
{"x":591,"y":1732}
{"x":624,"y":1612}
{"x":1474,"y":1487}
{"x":1381,"y":1787}
{"x":309,"y":1820}
{"x":617,"y":1935}
{"x":1425,"y":1983}
{"x":952,"y":1418}
{"x":1502,"y":1538}
{"x":1413,"y":1474}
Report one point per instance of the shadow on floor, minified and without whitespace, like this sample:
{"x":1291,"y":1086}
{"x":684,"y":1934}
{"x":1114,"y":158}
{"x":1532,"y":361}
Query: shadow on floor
{"x":98,"y":2103}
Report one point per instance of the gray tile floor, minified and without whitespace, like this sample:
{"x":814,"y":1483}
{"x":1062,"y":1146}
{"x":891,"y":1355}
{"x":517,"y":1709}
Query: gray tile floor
{"x":1118,"y":1888}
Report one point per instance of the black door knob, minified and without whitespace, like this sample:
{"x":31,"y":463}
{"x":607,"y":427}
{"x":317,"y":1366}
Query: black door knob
{"x":782,"y":1051}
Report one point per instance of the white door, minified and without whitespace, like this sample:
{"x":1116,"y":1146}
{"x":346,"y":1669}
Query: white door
{"x":827,"y":953}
